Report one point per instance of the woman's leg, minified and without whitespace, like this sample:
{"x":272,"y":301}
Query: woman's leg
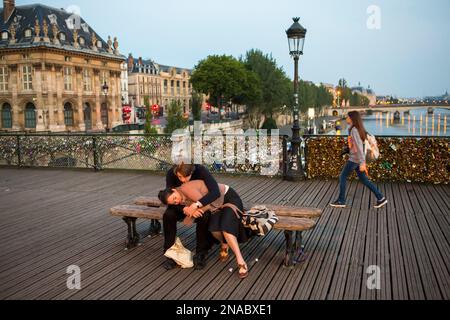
{"x":234,"y":245}
{"x":348,"y":168}
{"x":219,"y":236}
{"x":365,"y":180}
{"x":223,"y":244}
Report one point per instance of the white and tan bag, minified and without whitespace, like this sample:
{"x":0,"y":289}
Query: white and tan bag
{"x":182,"y":256}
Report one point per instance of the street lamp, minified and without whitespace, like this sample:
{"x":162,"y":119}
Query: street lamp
{"x":296,"y":38}
{"x":105,"y":89}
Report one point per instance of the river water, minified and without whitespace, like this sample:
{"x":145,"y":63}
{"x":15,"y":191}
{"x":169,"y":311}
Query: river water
{"x":417,"y":123}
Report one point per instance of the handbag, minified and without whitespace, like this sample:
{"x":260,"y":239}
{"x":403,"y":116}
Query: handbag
{"x":182,"y":256}
{"x":259,"y":219}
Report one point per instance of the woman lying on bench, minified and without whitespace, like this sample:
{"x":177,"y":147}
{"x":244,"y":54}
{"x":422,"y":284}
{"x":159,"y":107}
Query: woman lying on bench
{"x":224,"y":223}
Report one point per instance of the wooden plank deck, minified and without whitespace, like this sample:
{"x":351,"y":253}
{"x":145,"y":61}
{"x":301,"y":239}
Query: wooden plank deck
{"x":51,"y":219}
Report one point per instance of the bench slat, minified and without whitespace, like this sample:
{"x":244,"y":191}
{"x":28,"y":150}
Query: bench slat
{"x":134,"y":211}
{"x":148,"y":201}
{"x":287,"y":211}
{"x":144,"y":212}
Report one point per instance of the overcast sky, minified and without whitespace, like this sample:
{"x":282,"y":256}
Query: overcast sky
{"x":408,"y":55}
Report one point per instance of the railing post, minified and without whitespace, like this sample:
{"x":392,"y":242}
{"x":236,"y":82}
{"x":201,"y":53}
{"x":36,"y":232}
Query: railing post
{"x":19,"y":153}
{"x":305,"y":152}
{"x":94,"y":149}
{"x":285,"y":157}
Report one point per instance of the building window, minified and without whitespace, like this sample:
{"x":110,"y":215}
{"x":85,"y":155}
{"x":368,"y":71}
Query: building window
{"x":104,"y":113}
{"x":99,"y":44}
{"x":104,"y":77}
{"x":30,"y":116}
{"x":6,"y":116}
{"x":5,"y":35}
{"x":68,"y":78}
{"x":82,"y":41}
{"x":27,"y":78}
{"x":67,"y":59}
{"x":68,"y":115}
{"x":165,"y":86}
{"x":4,"y":79}
{"x":87,"y":82}
{"x":62,"y":36}
{"x":28,"y":33}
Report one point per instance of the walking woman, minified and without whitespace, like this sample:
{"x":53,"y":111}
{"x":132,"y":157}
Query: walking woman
{"x":356,"y":161}
{"x":224,"y":223}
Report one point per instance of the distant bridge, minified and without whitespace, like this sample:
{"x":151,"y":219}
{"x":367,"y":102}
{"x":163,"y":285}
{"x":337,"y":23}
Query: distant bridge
{"x":383,"y":108}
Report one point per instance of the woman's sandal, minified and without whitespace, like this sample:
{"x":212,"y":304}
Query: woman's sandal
{"x":243,"y":275}
{"x":223,"y":254}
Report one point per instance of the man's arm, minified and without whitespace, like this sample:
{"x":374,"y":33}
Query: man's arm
{"x":172,"y":180}
{"x":211,"y":184}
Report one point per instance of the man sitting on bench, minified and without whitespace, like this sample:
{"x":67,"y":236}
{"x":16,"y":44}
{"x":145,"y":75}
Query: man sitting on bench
{"x":225,"y":221}
{"x":175,"y":177}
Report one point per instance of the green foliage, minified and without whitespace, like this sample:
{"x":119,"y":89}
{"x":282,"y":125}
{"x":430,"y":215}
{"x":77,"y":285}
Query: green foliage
{"x":196,"y":103}
{"x":274,"y":84}
{"x":311,"y":96}
{"x":269,"y":124}
{"x":175,"y":118}
{"x":223,"y":78}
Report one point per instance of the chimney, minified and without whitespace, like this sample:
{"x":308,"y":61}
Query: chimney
{"x":140,"y":61}
{"x":130,"y":62}
{"x":8,"y":9}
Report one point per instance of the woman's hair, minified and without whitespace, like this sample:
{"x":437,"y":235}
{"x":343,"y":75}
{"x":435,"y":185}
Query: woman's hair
{"x":163,"y":195}
{"x":358,"y":124}
{"x":185,"y":170}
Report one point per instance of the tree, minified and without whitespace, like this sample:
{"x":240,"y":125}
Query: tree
{"x":175,"y":118}
{"x":148,"y":128}
{"x":223,"y":78}
{"x":345,"y":91}
{"x":274,"y":84}
{"x":196,"y":103}
{"x":269,"y":125}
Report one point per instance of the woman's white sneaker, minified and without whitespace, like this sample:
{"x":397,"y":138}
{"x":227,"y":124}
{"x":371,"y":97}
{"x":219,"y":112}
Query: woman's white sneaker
{"x":381,"y":203}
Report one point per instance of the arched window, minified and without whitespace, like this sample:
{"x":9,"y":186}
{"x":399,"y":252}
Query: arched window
{"x":104,"y":114}
{"x":68,"y":114}
{"x":30,"y":116}
{"x":62,"y":36}
{"x":5,"y":35}
{"x":87,"y":116}
{"x":6,"y":116}
{"x":82,"y":41}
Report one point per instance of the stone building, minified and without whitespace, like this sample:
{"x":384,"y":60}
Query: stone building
{"x":161,"y":84}
{"x":56,"y":72}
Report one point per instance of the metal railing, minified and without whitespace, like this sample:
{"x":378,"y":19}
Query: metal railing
{"x":402,"y":158}
{"x":125,"y":151}
{"x":413,"y":159}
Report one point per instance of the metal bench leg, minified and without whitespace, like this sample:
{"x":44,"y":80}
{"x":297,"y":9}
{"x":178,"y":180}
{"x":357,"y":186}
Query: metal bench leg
{"x":298,"y":241}
{"x":155,"y":228}
{"x":299,"y":248}
{"x":290,"y":248}
{"x":133,"y":236}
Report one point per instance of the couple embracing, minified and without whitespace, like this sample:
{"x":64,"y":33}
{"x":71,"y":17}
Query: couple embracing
{"x":193,"y":195}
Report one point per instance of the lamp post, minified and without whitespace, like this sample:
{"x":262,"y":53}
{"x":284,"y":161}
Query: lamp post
{"x":105,"y":89}
{"x":296,"y":38}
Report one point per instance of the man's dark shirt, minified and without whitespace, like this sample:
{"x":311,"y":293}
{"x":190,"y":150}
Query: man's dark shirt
{"x":200,"y":173}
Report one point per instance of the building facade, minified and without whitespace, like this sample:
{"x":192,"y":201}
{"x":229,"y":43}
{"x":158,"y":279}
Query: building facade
{"x":368,"y":93}
{"x":56,"y":73}
{"x":124,"y":83}
{"x":160,"y":84}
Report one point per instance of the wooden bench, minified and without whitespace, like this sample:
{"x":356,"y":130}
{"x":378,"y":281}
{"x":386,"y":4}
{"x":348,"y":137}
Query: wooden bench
{"x":293,"y":221}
